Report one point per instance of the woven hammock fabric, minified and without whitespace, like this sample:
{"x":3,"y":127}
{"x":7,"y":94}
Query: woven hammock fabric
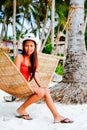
{"x":13,"y":82}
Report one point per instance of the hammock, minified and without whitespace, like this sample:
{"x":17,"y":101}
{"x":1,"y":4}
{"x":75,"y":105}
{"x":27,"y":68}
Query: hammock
{"x":13,"y":82}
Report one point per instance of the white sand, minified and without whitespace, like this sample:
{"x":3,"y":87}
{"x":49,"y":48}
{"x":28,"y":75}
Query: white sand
{"x":42,"y":117}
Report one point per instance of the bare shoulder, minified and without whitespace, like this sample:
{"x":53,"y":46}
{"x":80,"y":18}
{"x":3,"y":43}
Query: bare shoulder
{"x":19,"y":57}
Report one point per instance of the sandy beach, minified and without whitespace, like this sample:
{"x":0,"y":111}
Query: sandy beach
{"x":42,"y":117}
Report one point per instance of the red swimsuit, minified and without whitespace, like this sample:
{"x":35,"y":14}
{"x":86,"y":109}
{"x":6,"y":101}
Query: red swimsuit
{"x":24,"y":70}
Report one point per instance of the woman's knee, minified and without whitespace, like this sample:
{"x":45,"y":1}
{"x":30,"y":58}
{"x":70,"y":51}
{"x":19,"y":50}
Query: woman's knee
{"x":47,"y":90}
{"x":40,"y":92}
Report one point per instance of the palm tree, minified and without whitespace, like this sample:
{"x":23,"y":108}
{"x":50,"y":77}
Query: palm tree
{"x":53,"y":20}
{"x":2,"y":18}
{"x":73,"y":87}
{"x":14,"y":28}
{"x":43,"y":41}
{"x":61,"y":9}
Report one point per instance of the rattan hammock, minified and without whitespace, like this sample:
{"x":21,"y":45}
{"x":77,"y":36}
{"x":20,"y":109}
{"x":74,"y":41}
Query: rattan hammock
{"x":12,"y":81}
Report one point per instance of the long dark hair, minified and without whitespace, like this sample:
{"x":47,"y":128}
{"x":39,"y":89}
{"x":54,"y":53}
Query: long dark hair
{"x":33,"y":60}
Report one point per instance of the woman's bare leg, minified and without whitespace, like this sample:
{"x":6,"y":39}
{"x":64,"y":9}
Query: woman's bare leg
{"x":41,"y":92}
{"x":51,"y":106}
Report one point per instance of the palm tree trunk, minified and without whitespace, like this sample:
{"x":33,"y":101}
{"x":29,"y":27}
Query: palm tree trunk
{"x":22,"y":26}
{"x":14,"y":28}
{"x":53,"y":17}
{"x":21,"y":32}
{"x":73,"y":87}
{"x":46,"y":37}
{"x":86,"y":21}
{"x":6,"y":31}
{"x":45,"y":20}
{"x":3,"y":28}
{"x":76,"y":45}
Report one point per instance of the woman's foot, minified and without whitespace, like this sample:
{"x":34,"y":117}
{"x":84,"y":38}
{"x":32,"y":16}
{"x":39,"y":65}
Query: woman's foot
{"x":26,"y":117}
{"x":61,"y":119}
{"x":22,"y":114}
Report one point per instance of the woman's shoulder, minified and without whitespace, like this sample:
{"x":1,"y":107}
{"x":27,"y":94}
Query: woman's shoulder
{"x":19,"y":57}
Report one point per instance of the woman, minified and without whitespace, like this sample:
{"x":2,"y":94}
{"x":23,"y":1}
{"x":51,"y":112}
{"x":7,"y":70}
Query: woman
{"x":27,"y":63}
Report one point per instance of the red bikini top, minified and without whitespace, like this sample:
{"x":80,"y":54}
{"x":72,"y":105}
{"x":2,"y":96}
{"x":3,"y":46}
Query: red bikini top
{"x":24,"y":69}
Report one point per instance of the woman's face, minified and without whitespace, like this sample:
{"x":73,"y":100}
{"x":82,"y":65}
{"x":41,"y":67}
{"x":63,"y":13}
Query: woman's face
{"x":29,"y":47}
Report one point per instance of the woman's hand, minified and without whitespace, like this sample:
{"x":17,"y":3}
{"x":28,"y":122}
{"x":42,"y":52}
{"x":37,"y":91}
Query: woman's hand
{"x":37,"y":81}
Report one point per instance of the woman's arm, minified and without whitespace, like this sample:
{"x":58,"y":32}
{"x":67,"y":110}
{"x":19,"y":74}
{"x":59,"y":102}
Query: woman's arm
{"x":37,"y":81}
{"x":17,"y":61}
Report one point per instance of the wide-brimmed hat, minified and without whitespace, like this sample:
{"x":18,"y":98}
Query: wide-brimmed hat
{"x":30,"y":37}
